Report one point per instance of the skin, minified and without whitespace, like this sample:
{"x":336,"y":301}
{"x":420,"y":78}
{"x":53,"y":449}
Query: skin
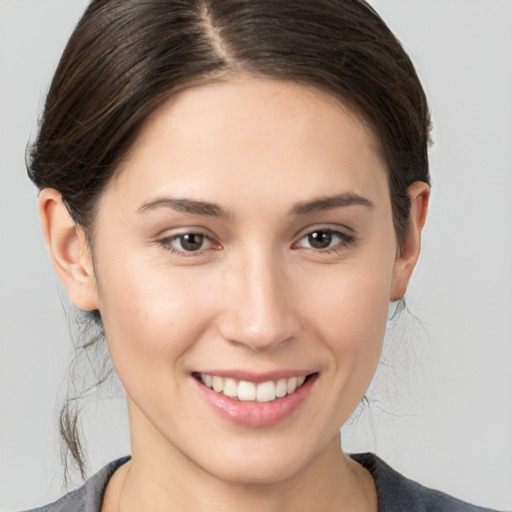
{"x":256,"y":296}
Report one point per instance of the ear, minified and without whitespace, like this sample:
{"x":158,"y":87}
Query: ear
{"x":419,"y":194}
{"x":69,"y":250}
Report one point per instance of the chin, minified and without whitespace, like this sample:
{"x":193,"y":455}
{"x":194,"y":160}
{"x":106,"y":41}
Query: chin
{"x":261,"y":462}
{"x":264,"y":470}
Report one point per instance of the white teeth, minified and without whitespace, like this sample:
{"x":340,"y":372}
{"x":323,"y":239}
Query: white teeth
{"x":218,"y":384}
{"x":246,"y":391}
{"x":281,"y":388}
{"x":266,"y":392}
{"x":291,"y":385}
{"x":230,"y":387}
{"x":249,"y":391}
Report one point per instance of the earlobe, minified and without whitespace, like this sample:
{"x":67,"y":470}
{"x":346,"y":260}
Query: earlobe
{"x":68,"y":249}
{"x":419,"y":193}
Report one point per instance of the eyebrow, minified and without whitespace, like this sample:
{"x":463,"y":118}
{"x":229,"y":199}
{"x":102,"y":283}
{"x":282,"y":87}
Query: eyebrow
{"x":331,"y":202}
{"x":213,"y":210}
{"x":186,"y":206}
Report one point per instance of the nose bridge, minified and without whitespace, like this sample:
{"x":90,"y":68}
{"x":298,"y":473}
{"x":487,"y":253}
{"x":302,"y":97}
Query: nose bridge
{"x":259,"y":309}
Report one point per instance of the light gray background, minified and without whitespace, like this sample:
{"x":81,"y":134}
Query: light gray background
{"x":442,"y":402}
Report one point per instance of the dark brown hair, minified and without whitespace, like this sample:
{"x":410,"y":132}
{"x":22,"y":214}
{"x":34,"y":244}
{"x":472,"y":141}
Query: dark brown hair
{"x":126,"y":57}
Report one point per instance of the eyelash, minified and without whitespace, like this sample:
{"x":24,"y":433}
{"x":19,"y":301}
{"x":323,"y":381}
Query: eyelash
{"x":345,"y":240}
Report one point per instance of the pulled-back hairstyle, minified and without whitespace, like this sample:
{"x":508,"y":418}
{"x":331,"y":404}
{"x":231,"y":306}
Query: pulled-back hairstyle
{"x":126,"y":57}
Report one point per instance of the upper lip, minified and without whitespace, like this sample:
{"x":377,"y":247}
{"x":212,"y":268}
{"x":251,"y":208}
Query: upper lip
{"x":257,"y":377}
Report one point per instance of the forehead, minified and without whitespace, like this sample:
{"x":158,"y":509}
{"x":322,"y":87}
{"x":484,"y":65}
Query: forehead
{"x":252,"y":135}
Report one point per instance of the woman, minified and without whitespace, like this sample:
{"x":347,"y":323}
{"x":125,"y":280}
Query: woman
{"x":235,"y":192}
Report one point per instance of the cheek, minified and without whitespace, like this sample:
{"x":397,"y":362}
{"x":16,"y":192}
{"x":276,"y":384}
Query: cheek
{"x":351,"y":320}
{"x":354,"y":306}
{"x":149,"y":321}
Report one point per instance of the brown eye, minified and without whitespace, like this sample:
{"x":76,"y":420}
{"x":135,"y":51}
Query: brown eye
{"x":188,"y":242}
{"x":323,"y":239}
{"x":191,"y":241}
{"x":320,"y":239}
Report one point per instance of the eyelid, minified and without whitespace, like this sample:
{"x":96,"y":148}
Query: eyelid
{"x":333,"y":228}
{"x":325,"y":226}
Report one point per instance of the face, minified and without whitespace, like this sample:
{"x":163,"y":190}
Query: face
{"x":246,"y":245}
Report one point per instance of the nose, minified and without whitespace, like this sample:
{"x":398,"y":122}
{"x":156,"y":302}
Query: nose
{"x":258,"y":305}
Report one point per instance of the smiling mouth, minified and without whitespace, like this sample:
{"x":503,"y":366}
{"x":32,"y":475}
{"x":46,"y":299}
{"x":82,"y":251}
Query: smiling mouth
{"x":246,"y":391}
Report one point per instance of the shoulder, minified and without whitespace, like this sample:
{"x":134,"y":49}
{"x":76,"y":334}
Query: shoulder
{"x":87,"y":498}
{"x":397,"y":493}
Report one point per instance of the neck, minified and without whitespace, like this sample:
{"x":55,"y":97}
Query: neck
{"x":343,"y":485}
{"x":161,"y":478}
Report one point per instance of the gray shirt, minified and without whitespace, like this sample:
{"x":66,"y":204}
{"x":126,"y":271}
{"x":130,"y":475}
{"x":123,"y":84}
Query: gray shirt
{"x":395,"y":493}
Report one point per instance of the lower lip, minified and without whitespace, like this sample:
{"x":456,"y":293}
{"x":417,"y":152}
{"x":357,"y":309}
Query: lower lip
{"x":254,"y":414}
